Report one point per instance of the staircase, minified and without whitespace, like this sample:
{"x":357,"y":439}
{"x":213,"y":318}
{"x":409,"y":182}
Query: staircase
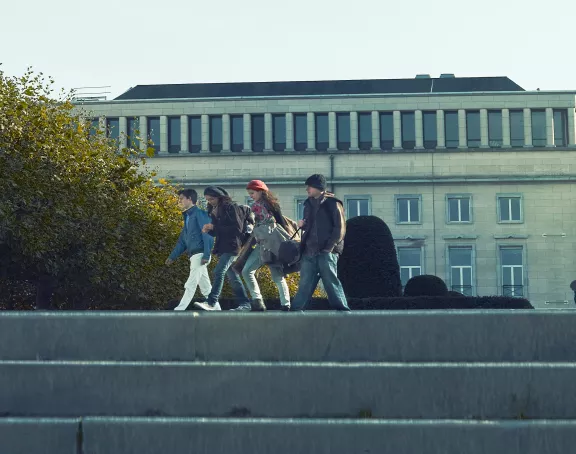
{"x":437,"y":382}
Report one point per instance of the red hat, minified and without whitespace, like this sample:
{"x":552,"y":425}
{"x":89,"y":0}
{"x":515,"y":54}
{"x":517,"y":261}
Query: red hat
{"x":257,"y":185}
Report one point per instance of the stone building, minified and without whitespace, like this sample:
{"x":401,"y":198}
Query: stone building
{"x":473,"y":175}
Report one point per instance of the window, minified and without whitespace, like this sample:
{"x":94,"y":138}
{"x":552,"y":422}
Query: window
{"x":430,"y":130}
{"x":195,"y":134}
{"x":473,"y":129}
{"x":257,"y":132}
{"x":343,"y":131}
{"x":94,"y":126}
{"x":410,"y":261}
{"x":357,"y":206}
{"x":113,"y":128}
{"x":154,"y":132}
{"x":560,"y":128}
{"x":461,"y":268}
{"x":237,"y":133}
{"x":322,"y":133}
{"x":174,"y":134}
{"x":365,"y":131}
{"x":517,"y":128}
{"x":511,"y":259}
{"x":249,"y":201}
{"x":539,"y":128}
{"x":386,"y":131}
{"x":408,"y":209}
{"x":300,"y":132}
{"x":451,"y":129}
{"x":459,"y":208}
{"x":495,"y":128}
{"x":299,"y":203}
{"x":132,"y":126}
{"x":408,"y":130}
{"x":509,"y":208}
{"x":279,"y":132}
{"x":216,"y":134}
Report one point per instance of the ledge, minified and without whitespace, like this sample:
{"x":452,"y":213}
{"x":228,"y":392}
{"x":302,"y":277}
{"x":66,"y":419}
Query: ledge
{"x":511,"y":236}
{"x":459,"y":237}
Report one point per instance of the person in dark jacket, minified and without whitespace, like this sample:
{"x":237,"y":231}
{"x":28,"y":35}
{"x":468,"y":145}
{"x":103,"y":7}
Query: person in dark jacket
{"x":228,"y":220}
{"x":322,"y":243}
{"x":197,"y":245}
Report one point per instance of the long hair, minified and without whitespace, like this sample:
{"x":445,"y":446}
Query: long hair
{"x":224,"y":200}
{"x":271,"y":201}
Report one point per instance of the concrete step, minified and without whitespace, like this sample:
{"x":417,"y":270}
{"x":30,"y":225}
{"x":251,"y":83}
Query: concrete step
{"x":403,"y":336}
{"x":384,"y":390}
{"x":40,"y":436}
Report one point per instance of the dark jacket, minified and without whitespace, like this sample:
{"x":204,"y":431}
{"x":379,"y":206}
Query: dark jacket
{"x":229,"y":228}
{"x":328,"y":222}
{"x":192,"y":240}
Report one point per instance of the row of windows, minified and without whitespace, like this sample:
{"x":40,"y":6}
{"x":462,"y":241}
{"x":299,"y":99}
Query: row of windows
{"x":344,"y":131}
{"x":461,"y":268}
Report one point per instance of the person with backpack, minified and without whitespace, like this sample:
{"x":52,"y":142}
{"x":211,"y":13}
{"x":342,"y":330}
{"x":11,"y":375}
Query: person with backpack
{"x":229,"y":227}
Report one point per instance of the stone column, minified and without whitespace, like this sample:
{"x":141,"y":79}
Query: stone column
{"x":506,"y":128}
{"x":527,"y":128}
{"x":289,"y":131}
{"x":397,"y":118}
{"x":268,"y":132}
{"x":163,"y":134}
{"x":226,"y":133}
{"x":550,"y":127}
{"x":184,"y":141}
{"x":354,"y":131}
{"x":375,"y":130}
{"x":143,"y":132}
{"x":462,"y":139}
{"x":247,"y":133}
{"x":122,"y":139}
{"x":311,"y":132}
{"x":484,"y":139}
{"x":205,"y":122}
{"x":571,"y":128}
{"x":440,"y":130}
{"x":419,"y":133}
{"x":332,"y":140}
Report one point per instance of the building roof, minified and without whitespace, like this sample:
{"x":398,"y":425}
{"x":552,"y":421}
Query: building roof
{"x":327,"y":87}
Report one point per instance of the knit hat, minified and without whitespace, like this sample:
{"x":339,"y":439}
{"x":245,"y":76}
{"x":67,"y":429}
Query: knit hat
{"x":317,"y":181}
{"x":257,"y":185}
{"x":215,"y":191}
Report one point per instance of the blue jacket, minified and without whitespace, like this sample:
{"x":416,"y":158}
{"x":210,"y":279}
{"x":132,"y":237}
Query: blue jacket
{"x":192,"y":240}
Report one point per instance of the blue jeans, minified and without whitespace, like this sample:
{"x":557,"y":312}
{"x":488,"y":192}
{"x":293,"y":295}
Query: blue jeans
{"x":325,"y":267}
{"x":223,"y":269}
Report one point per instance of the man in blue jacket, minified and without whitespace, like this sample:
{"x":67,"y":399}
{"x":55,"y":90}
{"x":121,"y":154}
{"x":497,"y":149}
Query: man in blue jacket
{"x":197,"y":245}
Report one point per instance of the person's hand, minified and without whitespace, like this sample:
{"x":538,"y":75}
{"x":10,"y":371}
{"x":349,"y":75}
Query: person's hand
{"x":205,"y":261}
{"x":207,"y":228}
{"x":169,"y":262}
{"x":301,"y":223}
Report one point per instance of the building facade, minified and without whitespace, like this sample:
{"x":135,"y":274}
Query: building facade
{"x":474,"y":176}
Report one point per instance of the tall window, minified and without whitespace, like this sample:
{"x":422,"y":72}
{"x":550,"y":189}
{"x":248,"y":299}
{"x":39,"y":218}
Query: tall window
{"x":322,"y":133}
{"x":195,"y":134}
{"x":154,"y":132}
{"x":359,"y":206}
{"x":299,"y":205}
{"x":132,"y":126}
{"x":538,"y":128}
{"x":236,"y":133}
{"x":512,"y":270}
{"x":461,"y":269}
{"x":365,"y":130}
{"x":113,"y":128}
{"x":451,"y":129}
{"x":410,"y":261}
{"x":257,"y":132}
{"x":216,"y":133}
{"x":509,"y":208}
{"x":386,"y":130}
{"x":279,"y":132}
{"x":94,"y":126}
{"x":430,"y":130}
{"x":517,"y":128}
{"x":560,"y":128}
{"x":495,"y":128}
{"x":174,"y":143}
{"x":408,"y":209}
{"x":459,"y":209}
{"x":300,"y":132}
{"x":343,"y":130}
{"x":473,"y":129}
{"x":408,"y":130}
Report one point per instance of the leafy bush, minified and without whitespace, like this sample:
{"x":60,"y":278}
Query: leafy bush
{"x":426,"y":285}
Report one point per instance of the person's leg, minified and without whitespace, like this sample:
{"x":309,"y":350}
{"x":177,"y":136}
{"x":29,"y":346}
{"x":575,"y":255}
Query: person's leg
{"x":328,"y":268}
{"x":253,"y":264}
{"x":224,"y":262}
{"x":307,"y":284}
{"x":191,"y":283}
{"x":204,"y":281}
{"x":238,"y":288}
{"x":283,"y":290}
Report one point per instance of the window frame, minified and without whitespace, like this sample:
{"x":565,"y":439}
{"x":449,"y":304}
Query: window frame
{"x":298,"y":199}
{"x":422,"y":260}
{"x":448,"y":197}
{"x":397,"y":198}
{"x":473,"y":277}
{"x":171,"y":122}
{"x":509,"y":245}
{"x":349,"y":198}
{"x":506,"y":196}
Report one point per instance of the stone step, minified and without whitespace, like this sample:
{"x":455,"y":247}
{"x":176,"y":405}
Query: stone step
{"x":40,"y":435}
{"x":404,"y":336}
{"x":260,"y":389}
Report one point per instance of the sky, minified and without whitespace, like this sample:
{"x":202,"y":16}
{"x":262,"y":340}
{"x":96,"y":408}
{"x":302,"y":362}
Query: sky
{"x":126,"y":43}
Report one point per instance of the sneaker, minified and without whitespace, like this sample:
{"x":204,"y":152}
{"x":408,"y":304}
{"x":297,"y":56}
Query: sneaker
{"x":243,"y":308}
{"x":207,"y":306}
{"x":285,"y":308}
{"x":258,"y":305}
{"x":182,"y":306}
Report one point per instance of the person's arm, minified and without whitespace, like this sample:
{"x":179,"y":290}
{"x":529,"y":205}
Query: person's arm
{"x":203,"y":218}
{"x":178,"y":249}
{"x":338,"y":226}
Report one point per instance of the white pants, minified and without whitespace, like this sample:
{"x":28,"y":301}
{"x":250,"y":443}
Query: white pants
{"x":198,"y":277}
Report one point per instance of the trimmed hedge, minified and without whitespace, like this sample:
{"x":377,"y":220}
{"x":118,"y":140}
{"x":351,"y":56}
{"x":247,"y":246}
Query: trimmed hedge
{"x":425,"y":285}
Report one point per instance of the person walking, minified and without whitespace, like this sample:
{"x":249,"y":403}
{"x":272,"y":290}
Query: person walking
{"x":197,"y":246}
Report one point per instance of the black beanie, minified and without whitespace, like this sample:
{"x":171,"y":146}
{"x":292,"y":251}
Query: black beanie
{"x":215,"y":191}
{"x":317,"y":181}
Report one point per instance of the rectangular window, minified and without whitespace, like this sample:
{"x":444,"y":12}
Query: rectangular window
{"x":430,"y":130}
{"x":132,"y":127}
{"x":343,"y":131}
{"x":408,"y":209}
{"x":322,"y":132}
{"x":451,"y":129}
{"x":94,"y":126}
{"x":560,"y":128}
{"x":410,"y":261}
{"x":195,"y":134}
{"x":517,"y":128}
{"x":509,"y":208}
{"x":539,"y":128}
{"x":473,"y":129}
{"x":408,"y":130}
{"x":300,"y":132}
{"x":386,"y":131}
{"x":461,"y":269}
{"x":236,"y":133}
{"x":459,"y":209}
{"x":279,"y":132}
{"x":511,"y":258}
{"x":216,"y":134}
{"x":357,"y":206}
{"x":174,"y":144}
{"x":257,"y":132}
{"x":365,"y":130}
{"x":113,"y":128}
{"x":495,"y":128}
{"x":299,"y":205}
{"x":154,"y":132}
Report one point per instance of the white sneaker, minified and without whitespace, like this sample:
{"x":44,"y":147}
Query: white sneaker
{"x":208,"y":307}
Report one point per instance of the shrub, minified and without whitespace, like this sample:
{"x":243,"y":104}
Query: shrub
{"x":369,"y":265}
{"x":426,"y":285}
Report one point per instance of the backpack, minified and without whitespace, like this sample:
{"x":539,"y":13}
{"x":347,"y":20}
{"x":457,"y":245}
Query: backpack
{"x":246,"y":217}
